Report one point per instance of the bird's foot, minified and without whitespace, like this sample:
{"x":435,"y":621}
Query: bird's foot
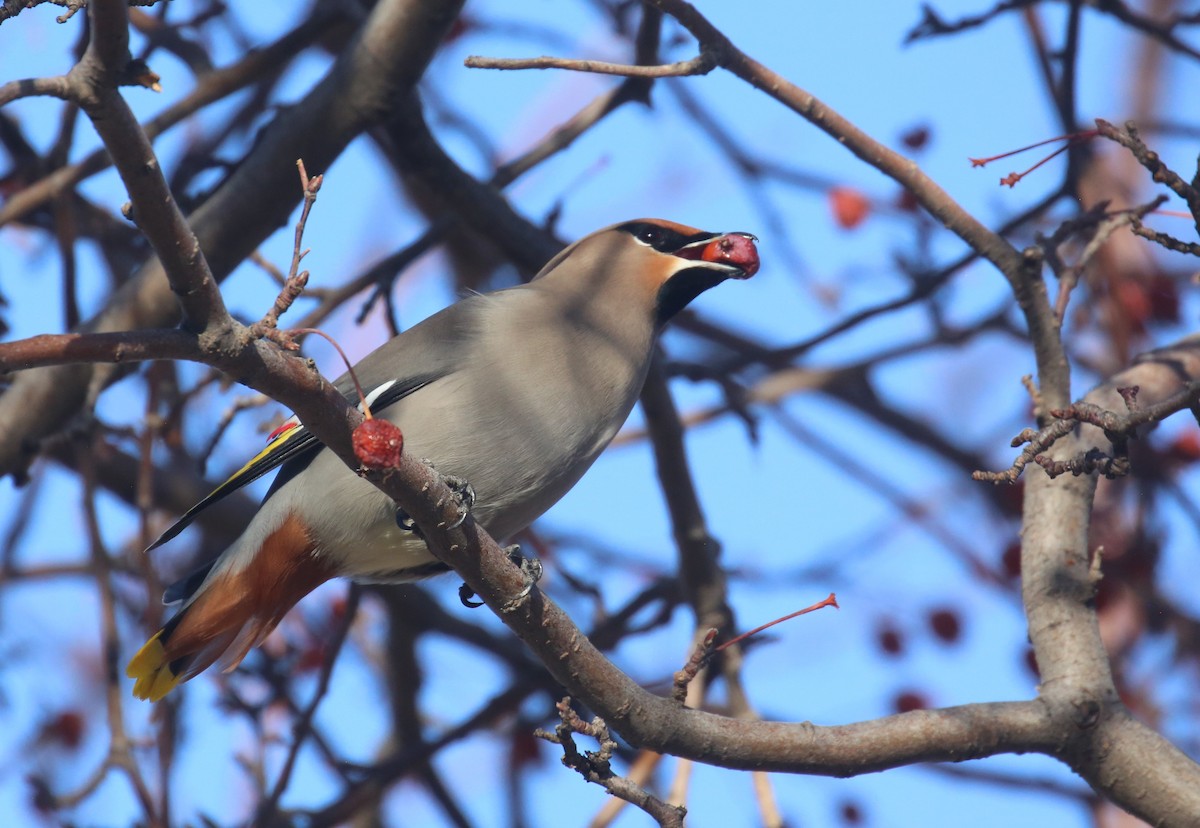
{"x":404,"y":521}
{"x":531,"y":568}
{"x":464,"y":494}
{"x":466,"y":597}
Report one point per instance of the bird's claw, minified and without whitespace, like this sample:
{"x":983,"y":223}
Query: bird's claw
{"x":466,"y":597}
{"x":464,"y":494}
{"x":404,"y":521}
{"x":531,"y":568}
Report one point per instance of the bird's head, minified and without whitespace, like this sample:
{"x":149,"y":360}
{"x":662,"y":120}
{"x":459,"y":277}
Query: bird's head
{"x":662,"y":263}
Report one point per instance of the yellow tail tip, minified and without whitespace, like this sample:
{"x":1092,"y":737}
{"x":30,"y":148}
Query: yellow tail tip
{"x":151,"y":671}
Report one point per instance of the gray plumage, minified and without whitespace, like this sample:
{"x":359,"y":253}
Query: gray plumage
{"x":516,"y":391}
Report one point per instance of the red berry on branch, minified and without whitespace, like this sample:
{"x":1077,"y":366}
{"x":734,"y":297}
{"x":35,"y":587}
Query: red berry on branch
{"x":378,"y":444}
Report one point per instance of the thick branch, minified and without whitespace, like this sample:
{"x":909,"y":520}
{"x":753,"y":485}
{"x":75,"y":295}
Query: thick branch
{"x":1078,"y":719}
{"x":94,"y":83}
{"x":66,"y":349}
{"x":1129,"y":762}
{"x":658,"y":723}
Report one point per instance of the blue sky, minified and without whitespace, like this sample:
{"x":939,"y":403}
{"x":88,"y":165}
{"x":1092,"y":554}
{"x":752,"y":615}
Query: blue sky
{"x":776,"y":506}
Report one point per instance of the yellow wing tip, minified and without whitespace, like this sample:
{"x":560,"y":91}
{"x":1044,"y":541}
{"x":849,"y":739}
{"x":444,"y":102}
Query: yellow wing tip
{"x":151,"y":671}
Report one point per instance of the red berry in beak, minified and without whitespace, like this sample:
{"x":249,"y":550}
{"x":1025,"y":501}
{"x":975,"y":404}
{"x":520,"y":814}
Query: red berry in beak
{"x":735,"y":249}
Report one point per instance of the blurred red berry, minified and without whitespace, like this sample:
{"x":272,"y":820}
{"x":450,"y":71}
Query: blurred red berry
{"x":945,"y":625}
{"x":850,"y":207}
{"x":1186,"y":447}
{"x":525,"y":748}
{"x":890,"y":640}
{"x":1133,"y":301}
{"x":1031,"y":663}
{"x":1011,"y":498}
{"x":337,"y":608}
{"x":1011,"y":559}
{"x":909,"y":701}
{"x":916,"y":138}
{"x":907,"y":202}
{"x":1163,"y":292}
{"x":65,"y":729}
{"x":312,"y":658}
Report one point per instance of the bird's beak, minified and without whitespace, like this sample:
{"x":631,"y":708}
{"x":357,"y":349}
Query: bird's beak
{"x":733,"y":250}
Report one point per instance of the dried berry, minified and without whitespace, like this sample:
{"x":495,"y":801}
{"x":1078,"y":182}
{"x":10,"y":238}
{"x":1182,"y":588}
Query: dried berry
{"x":378,"y":444}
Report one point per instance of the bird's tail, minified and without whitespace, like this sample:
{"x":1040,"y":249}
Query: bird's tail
{"x":231,"y":611}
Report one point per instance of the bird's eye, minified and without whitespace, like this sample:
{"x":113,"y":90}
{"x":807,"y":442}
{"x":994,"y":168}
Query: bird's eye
{"x":662,"y":239}
{"x":650,"y":235}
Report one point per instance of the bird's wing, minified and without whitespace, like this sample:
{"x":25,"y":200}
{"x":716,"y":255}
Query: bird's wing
{"x":292,"y":441}
{"x":425,"y":353}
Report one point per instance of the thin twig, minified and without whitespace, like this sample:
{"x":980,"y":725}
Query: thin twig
{"x":701,"y":64}
{"x":700,"y":656}
{"x":1164,"y":240}
{"x":1150,"y":160}
{"x":120,"y":753}
{"x":296,"y":279}
{"x":55,"y":87}
{"x":596,"y":767}
{"x":210,"y":88}
{"x":1102,"y":225}
{"x":830,"y":601}
{"x":1118,"y":429}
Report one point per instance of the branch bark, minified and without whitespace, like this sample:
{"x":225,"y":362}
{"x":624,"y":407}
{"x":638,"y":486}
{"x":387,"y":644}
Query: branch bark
{"x":1119,"y":756}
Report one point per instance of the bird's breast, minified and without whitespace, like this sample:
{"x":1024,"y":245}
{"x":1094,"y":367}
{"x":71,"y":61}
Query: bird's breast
{"x":521,"y":420}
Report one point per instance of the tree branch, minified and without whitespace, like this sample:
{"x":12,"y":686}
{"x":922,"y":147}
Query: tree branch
{"x":1135,"y":766}
{"x":701,"y":64}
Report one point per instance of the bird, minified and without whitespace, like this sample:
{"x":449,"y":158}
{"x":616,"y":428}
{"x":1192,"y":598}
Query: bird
{"x":516,"y":392}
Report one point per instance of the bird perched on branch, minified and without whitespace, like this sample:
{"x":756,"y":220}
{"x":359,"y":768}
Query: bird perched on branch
{"x":516,"y":392}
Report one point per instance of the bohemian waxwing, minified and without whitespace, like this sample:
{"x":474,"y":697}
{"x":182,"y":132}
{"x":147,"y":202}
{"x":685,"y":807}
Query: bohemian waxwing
{"x":515,"y":391}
